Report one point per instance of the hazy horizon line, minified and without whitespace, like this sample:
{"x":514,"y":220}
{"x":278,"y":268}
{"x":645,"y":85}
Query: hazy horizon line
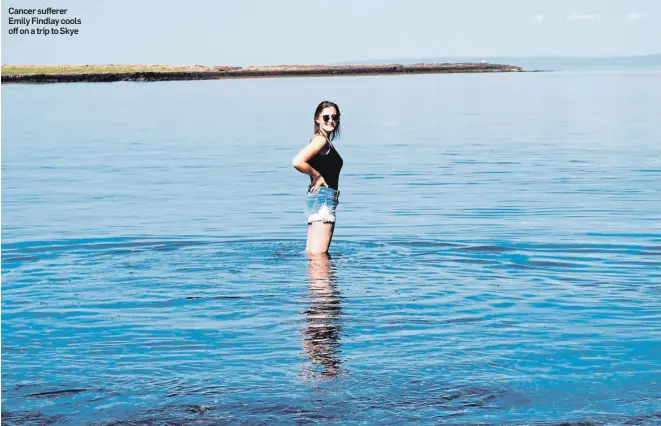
{"x":520,"y":56}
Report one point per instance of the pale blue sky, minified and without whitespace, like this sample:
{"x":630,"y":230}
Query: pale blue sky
{"x":268,"y":32}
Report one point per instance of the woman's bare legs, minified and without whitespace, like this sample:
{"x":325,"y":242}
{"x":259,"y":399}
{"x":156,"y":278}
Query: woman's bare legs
{"x":319,"y":237}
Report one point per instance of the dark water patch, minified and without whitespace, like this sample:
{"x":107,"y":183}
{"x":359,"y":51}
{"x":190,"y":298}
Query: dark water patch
{"x":405,"y":174}
{"x":628,"y":235}
{"x":493,"y":249}
{"x":118,"y":252}
{"x":33,"y":418}
{"x":425,"y":184}
{"x":197,"y":409}
{"x":512,"y":265}
{"x":640,"y":263}
{"x":471,"y":261}
{"x":10,"y":259}
{"x":452,"y":402}
{"x":463,"y":320}
{"x":646,"y":419}
{"x":164,"y":248}
{"x":419,"y":243}
{"x":55,"y":394}
{"x":215,"y":297}
{"x":246,"y":413}
{"x":554,"y":264}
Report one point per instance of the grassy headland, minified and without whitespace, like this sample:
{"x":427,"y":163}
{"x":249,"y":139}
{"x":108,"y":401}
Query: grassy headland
{"x":108,"y":73}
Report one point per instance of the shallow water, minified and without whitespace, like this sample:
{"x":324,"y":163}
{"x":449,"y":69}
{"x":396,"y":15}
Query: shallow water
{"x":497,"y":257}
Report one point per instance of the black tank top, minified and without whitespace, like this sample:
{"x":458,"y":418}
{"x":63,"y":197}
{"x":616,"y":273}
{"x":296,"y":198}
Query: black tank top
{"x":328,"y":166}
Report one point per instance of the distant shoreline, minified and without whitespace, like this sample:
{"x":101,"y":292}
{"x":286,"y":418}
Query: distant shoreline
{"x":36,"y":74}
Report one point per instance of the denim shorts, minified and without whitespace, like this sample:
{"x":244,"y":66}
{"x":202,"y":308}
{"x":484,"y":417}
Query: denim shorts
{"x":320,"y":205}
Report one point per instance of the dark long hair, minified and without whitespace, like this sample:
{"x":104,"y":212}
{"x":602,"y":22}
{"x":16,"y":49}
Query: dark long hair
{"x":327,"y":104}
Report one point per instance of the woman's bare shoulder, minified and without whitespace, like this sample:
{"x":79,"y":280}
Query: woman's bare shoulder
{"x":319,"y":143}
{"x":318,"y":139}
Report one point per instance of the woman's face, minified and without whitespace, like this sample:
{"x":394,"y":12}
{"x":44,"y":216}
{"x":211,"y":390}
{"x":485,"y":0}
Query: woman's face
{"x":328,"y":119}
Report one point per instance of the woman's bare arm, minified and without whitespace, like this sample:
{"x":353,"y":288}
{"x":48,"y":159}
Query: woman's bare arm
{"x":300,"y":162}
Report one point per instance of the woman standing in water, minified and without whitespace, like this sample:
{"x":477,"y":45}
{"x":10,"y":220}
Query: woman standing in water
{"x":320,"y":160}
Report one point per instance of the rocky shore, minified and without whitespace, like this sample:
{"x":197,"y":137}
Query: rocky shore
{"x":110,"y":73}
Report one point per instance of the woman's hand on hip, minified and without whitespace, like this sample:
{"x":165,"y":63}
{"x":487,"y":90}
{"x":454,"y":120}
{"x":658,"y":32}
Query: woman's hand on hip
{"x":317,"y":183}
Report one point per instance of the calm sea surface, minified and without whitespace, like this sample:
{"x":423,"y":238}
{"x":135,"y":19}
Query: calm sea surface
{"x":497,"y":257}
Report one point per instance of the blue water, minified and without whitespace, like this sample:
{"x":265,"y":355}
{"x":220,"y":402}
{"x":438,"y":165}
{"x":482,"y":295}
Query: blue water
{"x":497,"y":256}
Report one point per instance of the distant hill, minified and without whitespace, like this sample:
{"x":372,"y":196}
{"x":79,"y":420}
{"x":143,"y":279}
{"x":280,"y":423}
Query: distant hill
{"x":546,"y":63}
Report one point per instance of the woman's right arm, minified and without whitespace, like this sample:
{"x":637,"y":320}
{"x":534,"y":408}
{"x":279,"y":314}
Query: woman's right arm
{"x":301,"y":161}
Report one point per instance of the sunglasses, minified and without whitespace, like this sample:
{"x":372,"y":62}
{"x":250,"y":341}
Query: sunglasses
{"x":333,"y":117}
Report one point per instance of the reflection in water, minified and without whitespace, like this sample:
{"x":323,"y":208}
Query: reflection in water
{"x":322,"y":323}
